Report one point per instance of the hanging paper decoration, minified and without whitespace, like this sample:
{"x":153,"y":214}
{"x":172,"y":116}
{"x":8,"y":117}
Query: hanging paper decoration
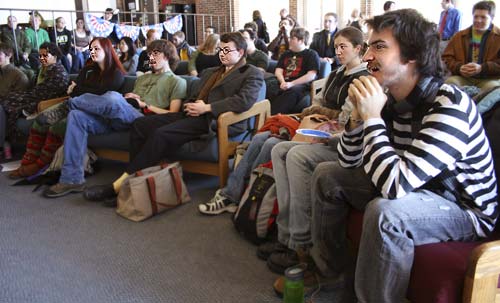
{"x":173,"y":24}
{"x":98,"y":26}
{"x":128,"y":31}
{"x":157,"y":27}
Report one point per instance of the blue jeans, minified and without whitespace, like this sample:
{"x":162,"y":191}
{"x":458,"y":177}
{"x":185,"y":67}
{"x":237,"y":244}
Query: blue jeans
{"x":258,"y":152}
{"x":293,"y":167}
{"x":91,"y":114}
{"x":391,"y":230}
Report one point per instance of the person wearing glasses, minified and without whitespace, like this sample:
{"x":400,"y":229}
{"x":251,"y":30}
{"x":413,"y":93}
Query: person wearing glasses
{"x":51,"y":82}
{"x":233,"y":86}
{"x":159,"y":92}
{"x":205,"y":56}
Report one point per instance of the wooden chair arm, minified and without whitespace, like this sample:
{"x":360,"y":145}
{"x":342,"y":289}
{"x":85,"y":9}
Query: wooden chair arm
{"x":316,"y":85}
{"x":42,"y":105}
{"x":260,"y":110}
{"x":483,"y":270}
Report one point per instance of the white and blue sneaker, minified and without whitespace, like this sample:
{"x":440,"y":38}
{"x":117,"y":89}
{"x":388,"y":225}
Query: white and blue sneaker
{"x":217,"y":205}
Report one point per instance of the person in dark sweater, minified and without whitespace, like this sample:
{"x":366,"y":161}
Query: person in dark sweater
{"x":64,"y":39}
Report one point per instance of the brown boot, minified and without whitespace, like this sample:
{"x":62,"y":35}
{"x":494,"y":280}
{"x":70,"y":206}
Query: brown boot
{"x":24,"y":171}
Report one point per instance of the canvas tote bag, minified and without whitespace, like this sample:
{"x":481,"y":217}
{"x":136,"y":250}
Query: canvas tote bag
{"x":151,"y":191}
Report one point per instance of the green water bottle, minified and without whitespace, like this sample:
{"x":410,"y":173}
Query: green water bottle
{"x":294,"y":284}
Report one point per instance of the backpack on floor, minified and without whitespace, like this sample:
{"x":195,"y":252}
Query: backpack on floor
{"x":255,"y":218}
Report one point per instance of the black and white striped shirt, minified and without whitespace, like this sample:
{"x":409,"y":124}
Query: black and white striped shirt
{"x":450,"y":152}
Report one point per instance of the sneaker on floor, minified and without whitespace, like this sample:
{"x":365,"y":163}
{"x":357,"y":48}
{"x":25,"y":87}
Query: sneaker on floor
{"x":62,"y":189}
{"x":266,"y":249}
{"x":217,"y":205}
{"x":280,"y":260}
{"x":104,"y":192}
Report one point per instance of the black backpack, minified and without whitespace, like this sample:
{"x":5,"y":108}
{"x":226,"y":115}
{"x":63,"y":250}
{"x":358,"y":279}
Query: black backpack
{"x":256,"y":216}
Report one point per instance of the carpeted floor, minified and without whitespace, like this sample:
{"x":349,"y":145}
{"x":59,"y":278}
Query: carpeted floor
{"x":70,"y":250}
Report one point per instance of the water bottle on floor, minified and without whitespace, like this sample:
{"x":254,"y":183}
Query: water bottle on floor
{"x":294,"y":284}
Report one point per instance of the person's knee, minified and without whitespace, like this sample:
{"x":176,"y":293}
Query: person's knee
{"x":321,"y":179}
{"x":279,"y":150}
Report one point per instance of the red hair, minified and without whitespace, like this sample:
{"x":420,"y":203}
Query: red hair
{"x":111,"y":60}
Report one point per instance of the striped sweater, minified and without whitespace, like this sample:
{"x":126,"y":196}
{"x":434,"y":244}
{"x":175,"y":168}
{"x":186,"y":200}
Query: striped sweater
{"x":449,"y":154}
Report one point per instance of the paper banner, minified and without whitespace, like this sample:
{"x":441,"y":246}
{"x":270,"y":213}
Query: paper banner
{"x":128,"y":31}
{"x":98,"y":26}
{"x":173,"y":24}
{"x":157,"y":27}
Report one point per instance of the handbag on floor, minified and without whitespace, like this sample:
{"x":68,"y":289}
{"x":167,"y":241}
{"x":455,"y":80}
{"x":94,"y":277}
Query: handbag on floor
{"x":151,"y":191}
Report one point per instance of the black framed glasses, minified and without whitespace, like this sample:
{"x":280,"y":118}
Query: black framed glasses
{"x":154,"y":53}
{"x":225,"y":50}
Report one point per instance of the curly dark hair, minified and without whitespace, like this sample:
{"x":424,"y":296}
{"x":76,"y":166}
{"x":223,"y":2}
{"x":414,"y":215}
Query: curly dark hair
{"x":418,"y":38}
{"x":52,"y":48}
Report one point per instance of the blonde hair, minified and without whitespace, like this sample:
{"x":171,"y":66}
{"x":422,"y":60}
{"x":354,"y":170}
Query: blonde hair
{"x":210,"y":44}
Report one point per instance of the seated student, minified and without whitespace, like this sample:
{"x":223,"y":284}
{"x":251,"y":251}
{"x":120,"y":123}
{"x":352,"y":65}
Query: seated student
{"x":159,"y":92}
{"x":281,"y":42}
{"x":328,"y":103}
{"x":143,"y":64}
{"x":19,"y":42}
{"x":46,"y":135}
{"x":296,"y":68}
{"x":234,"y":86}
{"x":472,"y":55}
{"x":294,"y":162}
{"x":205,"y":56}
{"x":64,"y":40}
{"x":322,"y":41}
{"x":128,"y":57}
{"x":36,"y":37}
{"x":184,"y":50}
{"x":259,"y":43}
{"x":11,"y":77}
{"x":416,"y":160}
{"x":254,"y":56}
{"x":13,"y":80}
{"x":52,"y":82}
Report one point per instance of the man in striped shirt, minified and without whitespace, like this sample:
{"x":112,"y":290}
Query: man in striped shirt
{"x":414,"y":157}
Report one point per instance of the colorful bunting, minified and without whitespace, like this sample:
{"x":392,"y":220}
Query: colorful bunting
{"x":128,"y":31}
{"x":98,"y":26}
{"x":157,"y":27}
{"x":173,"y":24}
